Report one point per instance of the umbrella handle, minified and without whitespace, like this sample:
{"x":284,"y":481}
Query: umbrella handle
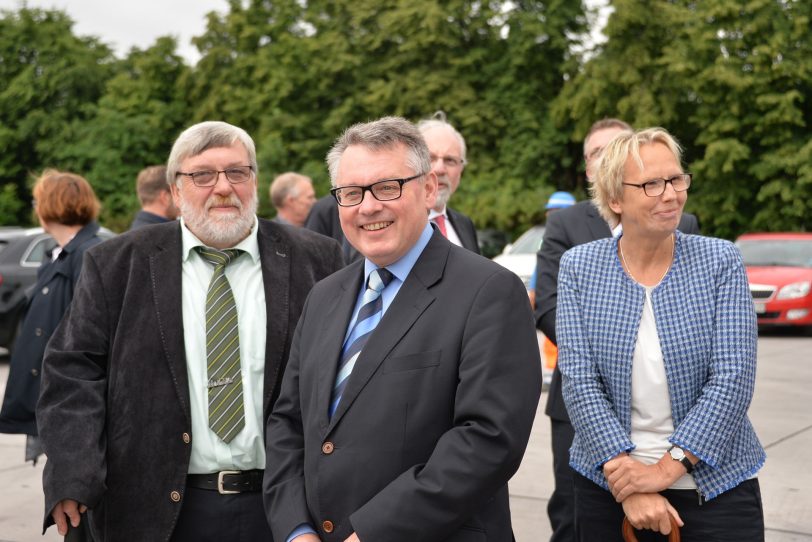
{"x":629,"y":536}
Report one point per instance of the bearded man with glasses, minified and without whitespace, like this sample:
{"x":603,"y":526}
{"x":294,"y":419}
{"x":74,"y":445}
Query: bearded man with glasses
{"x":158,"y":382}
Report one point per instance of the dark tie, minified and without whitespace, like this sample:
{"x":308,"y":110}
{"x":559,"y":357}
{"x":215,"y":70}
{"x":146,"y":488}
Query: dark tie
{"x":440,"y":221}
{"x":368,"y":317}
{"x":226,"y":411}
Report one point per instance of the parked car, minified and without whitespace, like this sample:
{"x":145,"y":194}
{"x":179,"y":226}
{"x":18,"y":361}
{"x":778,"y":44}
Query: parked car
{"x":520,"y":256}
{"x":22,"y":251}
{"x":779,"y":269}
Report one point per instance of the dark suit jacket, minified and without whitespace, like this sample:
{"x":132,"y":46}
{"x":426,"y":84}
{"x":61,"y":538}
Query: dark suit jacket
{"x":323,"y":219}
{"x":435,"y":417}
{"x":565,"y":229}
{"x":465,"y":229}
{"x":114,"y":412}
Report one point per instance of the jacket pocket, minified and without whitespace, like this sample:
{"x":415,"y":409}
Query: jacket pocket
{"x":412,"y":362}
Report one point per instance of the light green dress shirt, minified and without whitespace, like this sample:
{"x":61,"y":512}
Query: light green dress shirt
{"x":247,"y":450}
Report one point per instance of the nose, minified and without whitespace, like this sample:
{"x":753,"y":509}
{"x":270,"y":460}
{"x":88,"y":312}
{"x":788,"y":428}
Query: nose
{"x":222,"y":186}
{"x":369,"y":205}
{"x":438,"y":165}
{"x":669,"y":193}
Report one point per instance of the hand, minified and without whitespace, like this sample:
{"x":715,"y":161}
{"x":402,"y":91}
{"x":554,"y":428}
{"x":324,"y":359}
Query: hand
{"x":71,"y":509}
{"x":307,"y":537}
{"x":353,"y":538}
{"x":650,"y":511}
{"x":629,"y":476}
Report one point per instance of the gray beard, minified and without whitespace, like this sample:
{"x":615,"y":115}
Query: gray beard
{"x":443,"y":195}
{"x":223,"y":231}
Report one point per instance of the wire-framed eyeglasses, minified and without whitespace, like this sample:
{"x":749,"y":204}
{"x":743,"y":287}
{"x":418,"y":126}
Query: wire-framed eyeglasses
{"x":655,"y":187}
{"x":207,"y":178}
{"x":386,"y":190}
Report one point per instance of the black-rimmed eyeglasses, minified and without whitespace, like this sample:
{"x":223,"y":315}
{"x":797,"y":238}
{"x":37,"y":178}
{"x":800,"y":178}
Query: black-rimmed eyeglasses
{"x":207,"y":178}
{"x":656,"y":187}
{"x":387,"y":190}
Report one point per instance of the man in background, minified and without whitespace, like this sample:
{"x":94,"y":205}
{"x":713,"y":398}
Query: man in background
{"x":448,"y":158}
{"x":293,"y":196}
{"x":565,"y":229}
{"x":157,"y":206}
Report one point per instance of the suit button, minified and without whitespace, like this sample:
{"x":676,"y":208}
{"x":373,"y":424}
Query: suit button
{"x":45,"y":291}
{"x":327,"y":448}
{"x":35,"y":372}
{"x":327,"y":525}
{"x":38,"y":332}
{"x":186,"y":438}
{"x":175,"y":496}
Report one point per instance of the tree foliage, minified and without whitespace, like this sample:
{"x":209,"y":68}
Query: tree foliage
{"x":730,"y":79}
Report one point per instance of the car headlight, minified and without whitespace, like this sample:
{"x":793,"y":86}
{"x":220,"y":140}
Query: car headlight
{"x":794,"y":290}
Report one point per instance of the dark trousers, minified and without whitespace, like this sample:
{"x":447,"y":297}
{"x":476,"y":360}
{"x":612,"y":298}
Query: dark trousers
{"x":561,"y":507}
{"x":207,"y":516}
{"x":734,"y":516}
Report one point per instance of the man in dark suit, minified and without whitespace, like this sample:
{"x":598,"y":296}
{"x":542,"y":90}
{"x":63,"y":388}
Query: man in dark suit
{"x":565,"y":229}
{"x":157,"y":384}
{"x":448,"y":158}
{"x":157,"y":206}
{"x":409,"y":429}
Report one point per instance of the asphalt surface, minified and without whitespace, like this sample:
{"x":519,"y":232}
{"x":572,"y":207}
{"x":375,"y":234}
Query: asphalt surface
{"x":780,"y":411}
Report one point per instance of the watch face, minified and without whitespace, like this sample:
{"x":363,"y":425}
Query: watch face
{"x":677,"y":453}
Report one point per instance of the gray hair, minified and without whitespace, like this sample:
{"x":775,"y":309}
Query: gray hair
{"x":438,"y":120}
{"x":286,"y":184}
{"x":207,"y":135}
{"x":608,"y":183}
{"x":384,"y":133}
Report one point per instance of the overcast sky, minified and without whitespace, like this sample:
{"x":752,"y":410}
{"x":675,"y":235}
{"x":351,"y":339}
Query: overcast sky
{"x":123,"y":24}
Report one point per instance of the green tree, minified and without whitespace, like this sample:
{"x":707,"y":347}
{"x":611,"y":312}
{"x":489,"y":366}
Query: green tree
{"x":133,"y":126}
{"x":730,"y":80}
{"x":49,"y":77}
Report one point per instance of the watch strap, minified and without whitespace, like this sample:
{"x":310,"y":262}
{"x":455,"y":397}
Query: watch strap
{"x":689,"y":467}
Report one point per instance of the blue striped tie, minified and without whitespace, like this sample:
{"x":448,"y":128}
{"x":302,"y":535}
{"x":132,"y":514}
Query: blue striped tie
{"x":368,"y":317}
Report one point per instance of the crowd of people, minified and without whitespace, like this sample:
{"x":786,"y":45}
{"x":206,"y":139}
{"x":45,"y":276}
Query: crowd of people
{"x":353,"y":370}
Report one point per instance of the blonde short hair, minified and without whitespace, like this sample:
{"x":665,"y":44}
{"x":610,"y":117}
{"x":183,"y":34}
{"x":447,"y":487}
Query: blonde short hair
{"x":608,"y":182}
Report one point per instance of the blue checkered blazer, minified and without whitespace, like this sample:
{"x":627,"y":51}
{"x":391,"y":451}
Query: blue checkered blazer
{"x":707,"y":329}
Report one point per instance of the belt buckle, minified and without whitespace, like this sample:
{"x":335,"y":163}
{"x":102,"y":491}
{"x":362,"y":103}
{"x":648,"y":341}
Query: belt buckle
{"x":220,"y":476}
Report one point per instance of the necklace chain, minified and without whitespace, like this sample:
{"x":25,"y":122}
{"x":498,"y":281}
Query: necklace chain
{"x":629,"y":270}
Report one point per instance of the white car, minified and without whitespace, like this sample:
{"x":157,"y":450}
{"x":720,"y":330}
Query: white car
{"x":520,"y":256}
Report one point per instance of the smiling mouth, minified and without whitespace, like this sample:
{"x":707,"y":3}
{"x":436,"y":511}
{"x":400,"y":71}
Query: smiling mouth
{"x":376,"y":226}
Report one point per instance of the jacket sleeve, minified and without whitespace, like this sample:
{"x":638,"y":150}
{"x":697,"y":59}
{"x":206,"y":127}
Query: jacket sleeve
{"x":713,"y":421}
{"x":284,"y":493}
{"x":494,"y":406}
{"x":597,"y":426}
{"x":71,"y":409}
{"x":547,"y":261}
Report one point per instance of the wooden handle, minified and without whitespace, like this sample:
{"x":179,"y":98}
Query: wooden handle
{"x":629,"y":536}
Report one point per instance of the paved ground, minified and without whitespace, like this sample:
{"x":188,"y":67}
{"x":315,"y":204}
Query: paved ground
{"x":781,"y":413}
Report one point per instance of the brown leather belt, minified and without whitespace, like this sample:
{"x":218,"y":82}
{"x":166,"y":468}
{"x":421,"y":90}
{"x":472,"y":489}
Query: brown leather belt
{"x":228,"y":482}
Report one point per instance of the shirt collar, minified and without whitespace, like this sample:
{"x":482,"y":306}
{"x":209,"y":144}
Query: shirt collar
{"x":401,"y":268}
{"x":433,"y":213}
{"x":189,"y":241}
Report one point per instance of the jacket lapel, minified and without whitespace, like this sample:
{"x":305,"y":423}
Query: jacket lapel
{"x":165,"y":278}
{"x":336,"y":321}
{"x":412,"y":300}
{"x":274,"y":255}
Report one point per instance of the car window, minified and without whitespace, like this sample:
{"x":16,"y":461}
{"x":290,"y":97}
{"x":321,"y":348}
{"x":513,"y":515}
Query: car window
{"x":529,"y":242}
{"x":776,"y":252}
{"x":35,"y":254}
{"x":3,"y":245}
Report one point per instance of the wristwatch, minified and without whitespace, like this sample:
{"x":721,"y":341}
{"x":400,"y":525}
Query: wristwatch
{"x":678,"y":454}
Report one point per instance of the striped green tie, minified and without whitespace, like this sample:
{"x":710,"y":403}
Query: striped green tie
{"x":226,"y":412}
